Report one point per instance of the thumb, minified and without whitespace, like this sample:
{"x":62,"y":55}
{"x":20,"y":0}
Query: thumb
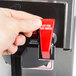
{"x":28,"y":25}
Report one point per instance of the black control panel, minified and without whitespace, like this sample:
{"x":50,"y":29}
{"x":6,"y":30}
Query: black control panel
{"x":46,"y":10}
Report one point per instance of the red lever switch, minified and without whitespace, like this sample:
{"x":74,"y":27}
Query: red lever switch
{"x":46,"y":33}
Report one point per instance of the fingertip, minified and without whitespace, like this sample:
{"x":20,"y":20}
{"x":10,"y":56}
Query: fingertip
{"x":20,"y":40}
{"x":37,"y":23}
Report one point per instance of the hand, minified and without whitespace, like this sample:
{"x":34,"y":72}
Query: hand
{"x":13,"y":22}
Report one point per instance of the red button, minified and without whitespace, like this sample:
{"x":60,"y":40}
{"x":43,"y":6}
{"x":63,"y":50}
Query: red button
{"x":46,"y":33}
{"x":34,"y":35}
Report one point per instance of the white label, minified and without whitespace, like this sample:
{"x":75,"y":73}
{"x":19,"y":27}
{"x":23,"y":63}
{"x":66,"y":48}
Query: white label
{"x":46,"y":27}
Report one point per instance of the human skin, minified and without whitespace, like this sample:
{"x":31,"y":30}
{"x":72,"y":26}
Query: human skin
{"x":12,"y":22}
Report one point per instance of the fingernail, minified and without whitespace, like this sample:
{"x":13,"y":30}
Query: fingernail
{"x":37,"y":22}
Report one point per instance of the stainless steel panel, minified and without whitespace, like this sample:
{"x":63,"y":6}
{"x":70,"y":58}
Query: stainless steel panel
{"x":63,"y":66}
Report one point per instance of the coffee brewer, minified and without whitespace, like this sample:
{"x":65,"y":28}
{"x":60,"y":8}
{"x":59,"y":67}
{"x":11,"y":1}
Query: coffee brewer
{"x":32,"y":59}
